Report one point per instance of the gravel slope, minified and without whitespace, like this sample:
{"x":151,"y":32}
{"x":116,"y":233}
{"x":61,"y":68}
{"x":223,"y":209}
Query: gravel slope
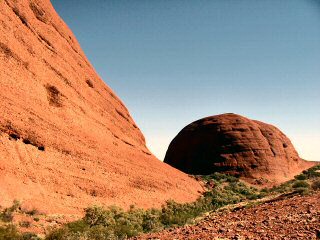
{"x":292,"y":218}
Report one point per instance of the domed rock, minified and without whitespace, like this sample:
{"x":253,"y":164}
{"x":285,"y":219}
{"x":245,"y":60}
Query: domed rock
{"x":233,"y":144}
{"x":66,"y":140}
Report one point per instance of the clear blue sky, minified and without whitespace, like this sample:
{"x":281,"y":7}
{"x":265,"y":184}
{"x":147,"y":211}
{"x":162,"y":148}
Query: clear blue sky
{"x":173,"y":62}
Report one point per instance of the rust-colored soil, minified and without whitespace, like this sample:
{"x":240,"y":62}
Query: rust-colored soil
{"x":66,"y":140}
{"x":293,"y":218}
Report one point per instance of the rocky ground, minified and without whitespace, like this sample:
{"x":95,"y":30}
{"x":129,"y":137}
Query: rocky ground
{"x":296,"y":217}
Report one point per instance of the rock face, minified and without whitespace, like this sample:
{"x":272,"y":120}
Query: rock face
{"x":66,"y":140}
{"x":234,"y":144}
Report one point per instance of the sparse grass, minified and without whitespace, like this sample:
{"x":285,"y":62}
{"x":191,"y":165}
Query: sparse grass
{"x":312,"y":173}
{"x":101,"y":223}
{"x":302,"y":183}
{"x":10,"y":232}
{"x":115,"y":223}
{"x":7,"y":214}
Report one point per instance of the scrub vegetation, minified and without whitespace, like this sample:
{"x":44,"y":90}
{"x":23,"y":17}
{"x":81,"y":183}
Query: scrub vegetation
{"x":100,"y":223}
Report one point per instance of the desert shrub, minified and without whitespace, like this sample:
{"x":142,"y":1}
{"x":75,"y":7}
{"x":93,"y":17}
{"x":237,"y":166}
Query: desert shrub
{"x":300,"y":184}
{"x":78,"y":226}
{"x":283,"y":188}
{"x":30,"y":236}
{"x":128,"y":224}
{"x":110,"y":223}
{"x":124,"y":224}
{"x":151,"y":221}
{"x":64,"y":234}
{"x":32,"y":212}
{"x":316,"y":185}
{"x":233,"y":192}
{"x":114,"y":223}
{"x":313,"y":172}
{"x":93,"y":226}
{"x":57,"y":234}
{"x":25,"y":224}
{"x":100,"y":233}
{"x":222,"y":197}
{"x":243,"y":190}
{"x":219,"y":177}
{"x":98,"y":216}
{"x":302,"y":190}
{"x":10,"y":232}
{"x":176,"y":214}
{"x":301,"y":177}
{"x":7,"y":214}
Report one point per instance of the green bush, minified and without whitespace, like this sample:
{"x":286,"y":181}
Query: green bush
{"x":114,"y":223}
{"x":301,"y":177}
{"x":151,"y":221}
{"x":175,"y":214}
{"x":313,"y":172}
{"x":30,"y":236}
{"x":10,"y":232}
{"x":301,"y":184}
{"x":243,"y":190}
{"x":302,"y":190}
{"x":110,"y":223}
{"x":219,"y":177}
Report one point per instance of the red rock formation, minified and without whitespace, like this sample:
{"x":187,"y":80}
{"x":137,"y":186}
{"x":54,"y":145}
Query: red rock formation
{"x":66,"y":140}
{"x":237,"y":145}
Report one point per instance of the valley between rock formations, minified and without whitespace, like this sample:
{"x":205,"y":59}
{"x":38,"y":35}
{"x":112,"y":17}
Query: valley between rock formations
{"x":67,"y":142}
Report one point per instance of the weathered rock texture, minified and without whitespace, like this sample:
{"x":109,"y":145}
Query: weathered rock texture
{"x":66,"y":140}
{"x":237,"y":145}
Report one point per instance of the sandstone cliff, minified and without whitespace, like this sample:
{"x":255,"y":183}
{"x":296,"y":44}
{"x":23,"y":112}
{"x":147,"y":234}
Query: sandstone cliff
{"x":66,"y":140}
